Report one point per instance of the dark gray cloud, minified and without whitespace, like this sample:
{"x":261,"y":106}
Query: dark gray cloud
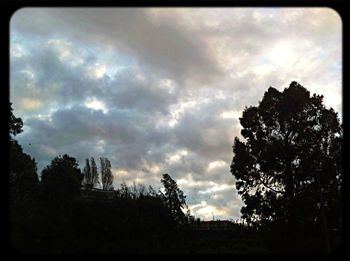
{"x":126,"y":131}
{"x":161,"y":47}
{"x":43,"y":75}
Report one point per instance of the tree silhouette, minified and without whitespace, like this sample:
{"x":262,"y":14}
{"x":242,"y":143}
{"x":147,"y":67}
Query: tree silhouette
{"x":23,"y":176}
{"x":87,"y":181}
{"x":290,"y":159}
{"x":151,"y":192}
{"x":106,"y":174}
{"x":62,"y":178}
{"x":94,"y":172}
{"x":22,"y":168}
{"x":124,"y":191}
{"x":174,"y":198}
{"x":15,"y":124}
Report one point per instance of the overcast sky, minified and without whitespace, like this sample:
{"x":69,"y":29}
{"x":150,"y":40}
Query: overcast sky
{"x":161,"y":90}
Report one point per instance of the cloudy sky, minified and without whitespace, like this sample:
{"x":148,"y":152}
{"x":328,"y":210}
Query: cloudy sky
{"x":161,"y":90}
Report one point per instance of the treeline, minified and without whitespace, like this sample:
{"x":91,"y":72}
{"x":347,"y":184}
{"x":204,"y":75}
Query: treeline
{"x":59,"y":215}
{"x":133,"y":220}
{"x":288,"y":171}
{"x":62,"y":213}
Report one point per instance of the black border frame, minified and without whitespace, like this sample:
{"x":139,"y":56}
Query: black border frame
{"x":9,"y":7}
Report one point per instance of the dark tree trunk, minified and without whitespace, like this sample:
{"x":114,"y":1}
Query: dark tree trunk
{"x":291,"y":215}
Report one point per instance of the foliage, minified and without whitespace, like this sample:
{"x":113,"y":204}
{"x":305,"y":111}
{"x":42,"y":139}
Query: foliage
{"x":94,"y":173}
{"x":15,"y":124}
{"x":291,"y":142}
{"x":22,"y":168}
{"x":23,"y":176}
{"x":288,"y":169}
{"x":152,"y":192}
{"x":124,"y":191}
{"x":174,"y":199}
{"x":106,"y":174}
{"x":62,"y":178}
{"x":87,"y":181}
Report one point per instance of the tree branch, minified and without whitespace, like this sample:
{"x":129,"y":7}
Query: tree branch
{"x":264,"y":183}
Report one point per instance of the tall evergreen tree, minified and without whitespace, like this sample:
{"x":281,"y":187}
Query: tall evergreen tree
{"x":174,"y":199}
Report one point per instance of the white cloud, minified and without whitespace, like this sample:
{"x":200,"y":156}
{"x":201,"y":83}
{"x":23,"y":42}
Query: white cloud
{"x":174,"y":157}
{"x":208,"y":212}
{"x":66,"y":52}
{"x":216,"y":164}
{"x":216,"y":188}
{"x":231,"y":114}
{"x":96,"y":71}
{"x":177,"y":111}
{"x":95,"y":104}
{"x":16,"y":51}
{"x":281,"y":54}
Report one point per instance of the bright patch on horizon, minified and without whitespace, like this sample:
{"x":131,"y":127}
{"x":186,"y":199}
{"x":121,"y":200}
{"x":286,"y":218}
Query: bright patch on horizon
{"x":120,"y":173}
{"x":206,"y":211}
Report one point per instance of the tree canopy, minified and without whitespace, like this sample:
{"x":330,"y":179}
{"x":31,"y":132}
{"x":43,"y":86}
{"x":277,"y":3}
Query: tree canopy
{"x":15,"y":124}
{"x":106,"y":174}
{"x":94,"y":172}
{"x":87,"y":180}
{"x":290,"y":159}
{"x":90,"y":173}
{"x":62,"y":178}
{"x":22,"y":167}
{"x":174,"y":198}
